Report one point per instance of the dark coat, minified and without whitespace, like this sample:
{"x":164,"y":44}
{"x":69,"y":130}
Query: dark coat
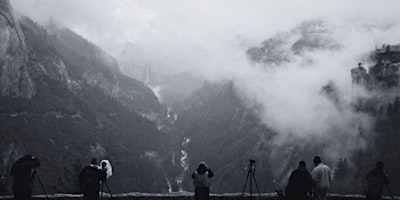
{"x":22,"y":172}
{"x":376,"y":179}
{"x":300,"y":183}
{"x":201,"y":182}
{"x":89,"y":180}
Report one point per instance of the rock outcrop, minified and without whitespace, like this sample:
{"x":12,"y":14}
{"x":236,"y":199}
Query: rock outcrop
{"x":15,"y":79}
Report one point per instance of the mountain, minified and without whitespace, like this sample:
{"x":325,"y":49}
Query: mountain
{"x":220,"y":128}
{"x":15,"y":79}
{"x":221,"y":131}
{"x":64,"y":100}
{"x":313,"y":35}
{"x":169,"y":84}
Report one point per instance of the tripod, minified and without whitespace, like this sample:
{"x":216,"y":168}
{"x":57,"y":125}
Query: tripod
{"x":250,"y":174}
{"x":390,"y":193}
{"x":36,"y":175}
{"x":102,"y":188}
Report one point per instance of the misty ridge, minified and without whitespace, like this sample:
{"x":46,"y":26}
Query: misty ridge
{"x":156,"y":107}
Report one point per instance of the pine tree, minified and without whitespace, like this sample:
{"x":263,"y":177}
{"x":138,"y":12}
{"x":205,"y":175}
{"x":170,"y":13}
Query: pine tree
{"x":342,"y":169}
{"x":390,"y":110}
{"x":396,"y":106}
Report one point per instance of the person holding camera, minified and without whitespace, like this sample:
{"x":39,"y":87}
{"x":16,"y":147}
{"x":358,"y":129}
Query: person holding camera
{"x":89,"y":180}
{"x":201,"y":181}
{"x":21,"y":171}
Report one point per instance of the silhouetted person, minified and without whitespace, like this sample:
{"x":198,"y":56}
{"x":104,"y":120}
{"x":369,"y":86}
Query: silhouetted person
{"x":300,"y":183}
{"x":89,"y":180}
{"x":376,"y":179}
{"x":23,"y":176}
{"x":321,"y":176}
{"x":202,"y":182}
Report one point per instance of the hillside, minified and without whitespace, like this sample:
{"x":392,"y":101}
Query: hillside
{"x":65,"y":100}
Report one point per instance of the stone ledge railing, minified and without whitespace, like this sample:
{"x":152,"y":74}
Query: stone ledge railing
{"x":186,"y":196}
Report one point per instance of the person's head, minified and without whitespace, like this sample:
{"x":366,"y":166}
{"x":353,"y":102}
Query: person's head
{"x":28,"y":157}
{"x":359,"y":64}
{"x":103,"y":165}
{"x":317,"y":160}
{"x":302,"y":164}
{"x":202,"y":168}
{"x":379,"y":165}
{"x":93,"y":161}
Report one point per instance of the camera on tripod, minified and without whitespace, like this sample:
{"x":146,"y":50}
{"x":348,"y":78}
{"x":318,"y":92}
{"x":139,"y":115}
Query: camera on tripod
{"x":252,"y":165}
{"x":251,"y":177}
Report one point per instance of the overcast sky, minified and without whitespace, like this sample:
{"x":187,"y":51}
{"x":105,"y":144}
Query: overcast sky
{"x":207,"y":37}
{"x":183,"y":23}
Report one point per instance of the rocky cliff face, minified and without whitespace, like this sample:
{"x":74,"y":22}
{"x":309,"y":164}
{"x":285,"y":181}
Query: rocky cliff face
{"x":283,"y":47}
{"x":15,"y":78}
{"x":80,"y":106}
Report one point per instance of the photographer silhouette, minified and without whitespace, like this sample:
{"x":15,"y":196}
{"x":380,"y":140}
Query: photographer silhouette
{"x":23,"y":176}
{"x":89,"y":180}
{"x":107,"y":168}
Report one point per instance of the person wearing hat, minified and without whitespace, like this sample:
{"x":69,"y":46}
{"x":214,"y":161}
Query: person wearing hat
{"x":89,"y":180}
{"x":321,"y":176}
{"x":21,"y":171}
{"x":201,"y":181}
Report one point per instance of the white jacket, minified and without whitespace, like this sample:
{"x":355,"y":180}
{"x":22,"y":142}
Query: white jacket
{"x":321,"y":175}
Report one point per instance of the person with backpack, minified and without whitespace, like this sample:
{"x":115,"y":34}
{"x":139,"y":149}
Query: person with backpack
{"x":376,"y":179}
{"x":22,"y":174}
{"x":89,"y":180}
{"x":300,"y":183}
{"x":201,"y":181}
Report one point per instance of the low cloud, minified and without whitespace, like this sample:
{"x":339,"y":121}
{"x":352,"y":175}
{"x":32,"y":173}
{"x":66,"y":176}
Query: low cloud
{"x":210,"y":39}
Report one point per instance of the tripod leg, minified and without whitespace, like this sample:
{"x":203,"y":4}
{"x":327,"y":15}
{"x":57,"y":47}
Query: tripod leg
{"x":102,"y":189}
{"x":245,"y":183}
{"x":41,"y":184}
{"x":390,"y":193}
{"x":256,"y":185}
{"x":108,"y":189}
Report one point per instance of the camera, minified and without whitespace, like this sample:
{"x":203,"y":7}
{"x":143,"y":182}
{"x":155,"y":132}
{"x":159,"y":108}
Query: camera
{"x":252,"y":162}
{"x":252,"y":165}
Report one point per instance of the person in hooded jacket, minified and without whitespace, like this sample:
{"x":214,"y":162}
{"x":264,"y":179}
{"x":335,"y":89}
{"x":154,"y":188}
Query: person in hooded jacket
{"x":376,"y":179}
{"x":23,"y":176}
{"x":201,"y":181}
{"x":300,"y":183}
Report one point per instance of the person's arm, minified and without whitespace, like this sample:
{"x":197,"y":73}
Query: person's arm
{"x":210,"y":173}
{"x":30,"y":163}
{"x":310,"y":184}
{"x":314,"y":175}
{"x":194,"y":174}
{"x":385,"y":178}
{"x":330,"y":176}
{"x":102,"y":175}
{"x":12,"y":172}
{"x":291,"y":177}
